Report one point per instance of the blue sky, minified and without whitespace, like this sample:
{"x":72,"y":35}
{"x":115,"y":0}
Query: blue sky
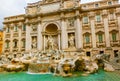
{"x":16,"y":7}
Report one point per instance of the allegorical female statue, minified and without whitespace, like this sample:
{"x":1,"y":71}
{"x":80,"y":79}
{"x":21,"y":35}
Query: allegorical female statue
{"x":71,"y":40}
{"x":34,"y":42}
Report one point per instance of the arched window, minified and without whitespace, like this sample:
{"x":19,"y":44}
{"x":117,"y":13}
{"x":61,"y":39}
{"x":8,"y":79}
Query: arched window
{"x":87,"y":38}
{"x":100,"y":38}
{"x":15,"y":43}
{"x":7,"y":44}
{"x":23,"y":43}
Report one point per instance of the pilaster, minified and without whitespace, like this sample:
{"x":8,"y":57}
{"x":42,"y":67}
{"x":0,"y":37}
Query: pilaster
{"x":118,"y":19}
{"x":11,"y":37}
{"x":39,"y":37}
{"x":19,"y":40}
{"x":28,"y":38}
{"x":92,"y":26}
{"x":64,"y":36}
{"x":79,"y":38}
{"x":106,"y":28}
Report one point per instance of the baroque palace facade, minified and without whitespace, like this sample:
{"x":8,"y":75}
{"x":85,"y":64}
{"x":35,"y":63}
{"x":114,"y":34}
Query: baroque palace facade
{"x":62,"y":24}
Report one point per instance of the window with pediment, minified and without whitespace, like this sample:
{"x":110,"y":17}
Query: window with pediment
{"x":114,"y":36}
{"x":100,"y":37}
{"x":7,"y":44}
{"x":87,"y":38}
{"x":23,"y":43}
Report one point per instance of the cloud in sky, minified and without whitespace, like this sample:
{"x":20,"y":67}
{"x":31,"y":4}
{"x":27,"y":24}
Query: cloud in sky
{"x":16,"y":7}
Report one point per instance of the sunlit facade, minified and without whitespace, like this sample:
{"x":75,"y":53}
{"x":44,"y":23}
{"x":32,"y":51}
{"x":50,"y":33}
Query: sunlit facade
{"x":93,"y":27}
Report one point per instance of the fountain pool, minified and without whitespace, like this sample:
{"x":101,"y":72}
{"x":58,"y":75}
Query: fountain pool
{"x":23,"y":76}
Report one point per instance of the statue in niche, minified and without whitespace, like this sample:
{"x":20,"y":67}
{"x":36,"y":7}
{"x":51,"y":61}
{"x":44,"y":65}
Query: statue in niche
{"x":34,"y":42}
{"x":50,"y":42}
{"x":71,"y":40}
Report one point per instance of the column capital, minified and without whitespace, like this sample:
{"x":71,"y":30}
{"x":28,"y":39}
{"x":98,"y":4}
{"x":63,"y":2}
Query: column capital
{"x":77,"y":12}
{"x":39,"y":20}
{"x":62,"y":16}
{"x":91,"y":15}
{"x":104,"y":13}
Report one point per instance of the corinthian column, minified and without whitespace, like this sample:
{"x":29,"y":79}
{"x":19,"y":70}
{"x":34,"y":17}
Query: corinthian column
{"x":79,"y":38}
{"x":20,"y":32}
{"x":11,"y":37}
{"x":64,"y":35}
{"x":28,"y":38}
{"x":118,"y":19}
{"x":92,"y":26}
{"x":106,"y":28}
{"x":39,"y":37}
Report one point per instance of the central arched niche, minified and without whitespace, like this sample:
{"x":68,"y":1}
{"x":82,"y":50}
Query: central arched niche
{"x":51,"y":28}
{"x":51,"y":37}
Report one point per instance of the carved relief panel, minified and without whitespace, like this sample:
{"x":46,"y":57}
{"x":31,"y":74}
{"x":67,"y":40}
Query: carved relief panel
{"x":71,"y":22}
{"x":34,"y":28}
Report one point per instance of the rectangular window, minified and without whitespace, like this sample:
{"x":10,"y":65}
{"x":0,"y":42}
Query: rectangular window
{"x":85,"y":20}
{"x":114,"y":38}
{"x":88,"y":54}
{"x":87,"y":39}
{"x":109,"y":3}
{"x":8,"y":30}
{"x":23,"y":43}
{"x":7,"y":44}
{"x":96,"y":5}
{"x":98,"y":18}
{"x":100,"y":38}
{"x":23,"y":27}
{"x":15,"y":28}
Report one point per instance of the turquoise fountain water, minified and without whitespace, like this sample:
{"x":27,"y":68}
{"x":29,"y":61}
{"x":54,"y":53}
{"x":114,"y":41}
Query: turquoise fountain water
{"x":23,"y":76}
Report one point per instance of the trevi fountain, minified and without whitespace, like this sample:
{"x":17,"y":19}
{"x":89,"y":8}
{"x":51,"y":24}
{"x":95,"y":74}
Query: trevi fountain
{"x":54,"y":43}
{"x":58,"y":63}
